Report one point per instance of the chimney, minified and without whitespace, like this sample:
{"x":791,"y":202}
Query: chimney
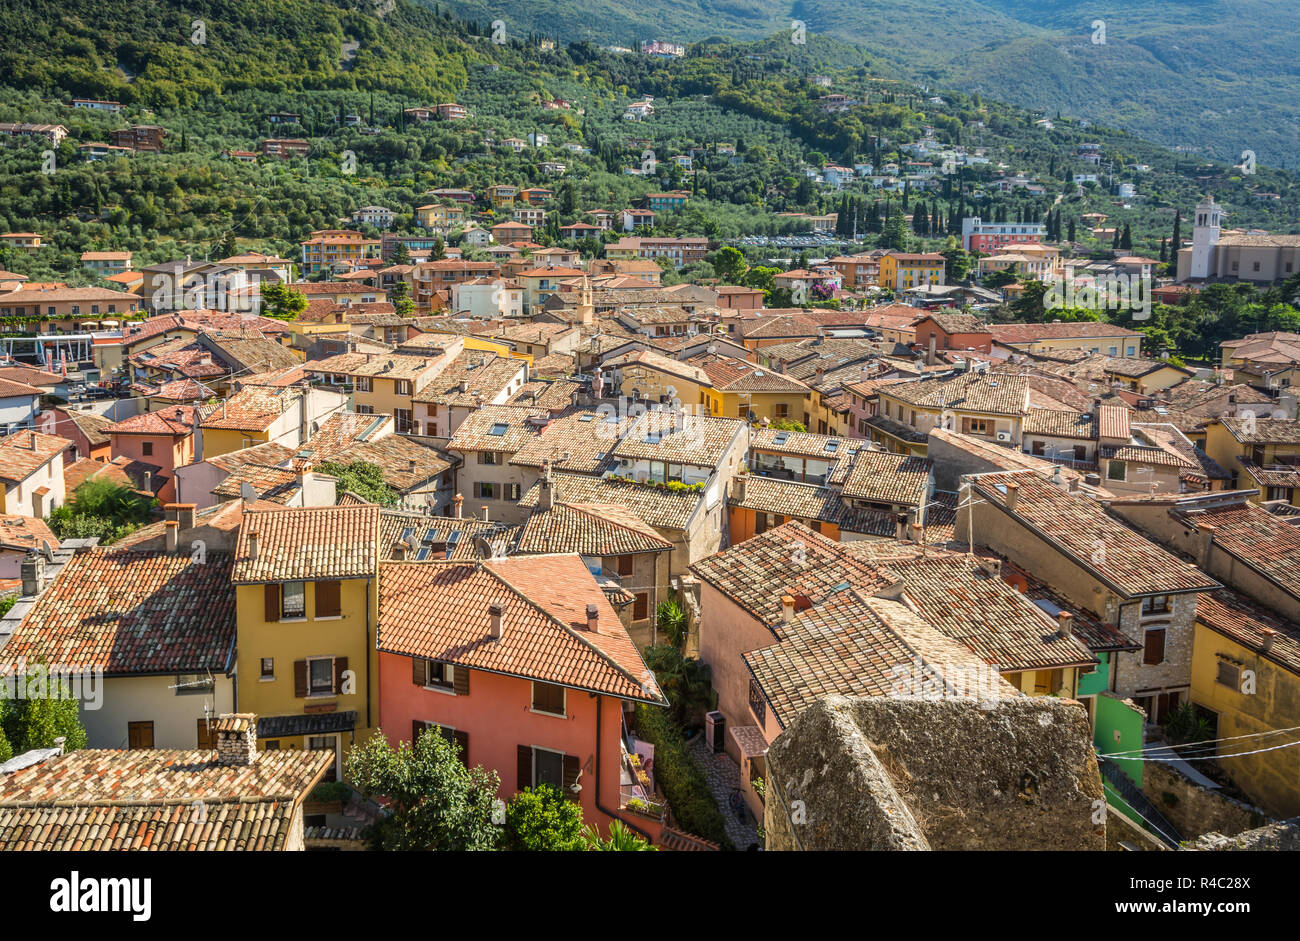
{"x":33,"y":574}
{"x":59,"y":742}
{"x":173,"y":536}
{"x":302,"y":471}
{"x":900,"y":527}
{"x":992,"y":567}
{"x":148,"y":481}
{"x":495,"y":617}
{"x":1205,"y":543}
{"x":929,"y":355}
{"x":593,"y":618}
{"x":464,"y":385}
{"x":918,"y":533}
{"x":185,"y":515}
{"x":742,"y":486}
{"x":1064,"y":624}
{"x":458,"y":503}
{"x":1270,"y":638}
{"x":787,"y":609}
{"x":31,"y":440}
{"x":252,"y":546}
{"x":1013,"y":492}
{"x":911,"y":520}
{"x":546,"y":495}
{"x":485,"y":513}
{"x":236,"y":738}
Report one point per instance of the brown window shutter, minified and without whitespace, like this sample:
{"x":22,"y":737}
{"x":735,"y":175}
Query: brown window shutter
{"x":416,"y":728}
{"x":570,"y":776}
{"x":328,"y":599}
{"x":300,"y":679}
{"x":419,"y":673}
{"x":525,"y":767}
{"x":340,"y":667}
{"x":272,"y":602}
{"x":460,"y":680}
{"x":641,"y":607}
{"x":462,"y":742}
{"x":1155,"y":647}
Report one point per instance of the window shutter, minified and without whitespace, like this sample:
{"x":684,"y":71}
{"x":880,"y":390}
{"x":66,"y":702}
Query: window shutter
{"x":1155,"y":647}
{"x":462,"y":741}
{"x":460,"y":680}
{"x":328,"y":599}
{"x":525,"y":767}
{"x":300,"y":679}
{"x":570,"y":775}
{"x":340,"y":667}
{"x":272,"y":602}
{"x":418,"y":671}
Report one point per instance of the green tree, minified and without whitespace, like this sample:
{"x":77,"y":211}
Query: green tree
{"x":36,"y":722}
{"x":541,"y":818}
{"x":401,"y":254}
{"x":400,"y":297}
{"x":684,"y":680}
{"x":895,"y":233}
{"x":729,"y":263}
{"x":101,"y":508}
{"x":671,"y":621}
{"x":436,"y":803}
{"x":364,"y":479}
{"x":281,"y":301}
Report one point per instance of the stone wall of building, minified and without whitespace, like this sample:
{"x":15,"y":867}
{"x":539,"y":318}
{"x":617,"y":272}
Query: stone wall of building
{"x":1196,"y":810}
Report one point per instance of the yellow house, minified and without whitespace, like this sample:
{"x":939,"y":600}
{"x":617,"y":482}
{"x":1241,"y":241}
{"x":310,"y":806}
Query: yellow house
{"x":1246,"y":678}
{"x":384,"y":383}
{"x":900,"y":271}
{"x":253,"y":415}
{"x":739,"y":389}
{"x":1088,"y":335}
{"x":647,"y":376}
{"x":502,"y":195}
{"x":990,"y":406}
{"x":306,"y":586}
{"x":1262,"y":454}
{"x":1145,"y":376}
{"x":440,"y":218}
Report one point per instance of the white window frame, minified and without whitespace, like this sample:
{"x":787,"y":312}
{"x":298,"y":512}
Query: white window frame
{"x":549,"y":751}
{"x":311,"y":693}
{"x":283,"y":595}
{"x":541,"y":712}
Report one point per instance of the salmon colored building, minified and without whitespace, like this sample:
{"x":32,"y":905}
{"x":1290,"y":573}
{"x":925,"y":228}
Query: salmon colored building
{"x":163,"y":439}
{"x":523,"y":663}
{"x":954,"y":332}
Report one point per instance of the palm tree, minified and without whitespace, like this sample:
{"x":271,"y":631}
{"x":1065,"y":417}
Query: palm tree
{"x":621,"y":839}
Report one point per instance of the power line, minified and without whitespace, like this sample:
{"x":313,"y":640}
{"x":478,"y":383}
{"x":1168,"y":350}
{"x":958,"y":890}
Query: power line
{"x":1209,"y":741}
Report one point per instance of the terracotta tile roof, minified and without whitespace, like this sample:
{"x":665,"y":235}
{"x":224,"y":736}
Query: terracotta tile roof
{"x":789,"y":559}
{"x":1235,"y":616}
{"x":266,"y":454}
{"x":1061,"y":424}
{"x":1264,"y":430}
{"x":399,"y":365}
{"x":1140,"y":454}
{"x":995,"y":393}
{"x":805,"y":502}
{"x":30,"y":376}
{"x":220,"y":517}
{"x":174,"y":420}
{"x":1008,"y":459}
{"x":1113,"y":422}
{"x":156,"y":799}
{"x":728,"y":374}
{"x":24,"y":532}
{"x":25,"y":452}
{"x":804,"y":444}
{"x":896,"y":429}
{"x":254,"y":408}
{"x":438,"y":538}
{"x":982,"y":612}
{"x":91,"y":424}
{"x":177,"y":390}
{"x":588,"y":529}
{"x":503,"y":428}
{"x":406,"y":463}
{"x":78,"y":472}
{"x":1031,"y":332}
{"x":11,"y":389}
{"x":586,"y":435}
{"x":1249,"y":533}
{"x":343,"y":431}
{"x":556,"y":366}
{"x":698,"y":440}
{"x":854,"y":645}
{"x":126,"y":612}
{"x":554,"y":396}
{"x":310,"y":543}
{"x":662,"y":509}
{"x":439,"y":610}
{"x":485,"y":374}
{"x":1077,"y":526}
{"x":1089,"y":628}
{"x":886,"y":477}
{"x":957,"y":323}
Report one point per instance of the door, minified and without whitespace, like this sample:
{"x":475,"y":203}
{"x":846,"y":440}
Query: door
{"x":139,"y":735}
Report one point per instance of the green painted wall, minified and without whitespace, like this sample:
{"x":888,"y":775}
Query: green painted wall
{"x":1090,"y":684}
{"x":1113,"y":715}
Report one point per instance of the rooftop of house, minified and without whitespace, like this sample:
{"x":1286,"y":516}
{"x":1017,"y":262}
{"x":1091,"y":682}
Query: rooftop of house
{"x":804,"y":501}
{"x":343,"y":431}
{"x":397,"y":365}
{"x":679,"y":437}
{"x":596,"y":529}
{"x":1129,"y":563}
{"x":255,"y":408}
{"x":406,"y":464}
{"x":25,"y":452}
{"x":485,"y":375}
{"x":441,"y":611}
{"x":661,"y":508}
{"x":24,"y":533}
{"x":306,"y":543}
{"x":886,"y":477}
{"x":1251,"y":534}
{"x":729,"y":374}
{"x":993,"y":393}
{"x":172,"y":421}
{"x":1263,"y":430}
{"x":587,"y":436}
{"x":406,"y":534}
{"x":156,"y":799}
{"x":126,"y":612}
{"x":1256,"y":628}
{"x":502,"y":428}
{"x":1012,"y":333}
{"x":804,"y":444}
{"x":791,"y":560}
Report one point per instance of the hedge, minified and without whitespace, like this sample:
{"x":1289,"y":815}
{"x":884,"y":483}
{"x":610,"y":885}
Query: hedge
{"x":680,"y":778}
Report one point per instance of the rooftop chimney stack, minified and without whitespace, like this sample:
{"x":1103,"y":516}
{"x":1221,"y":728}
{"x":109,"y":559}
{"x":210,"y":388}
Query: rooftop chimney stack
{"x":485,"y":513}
{"x":252,"y":546}
{"x":173,"y":535}
{"x":459,"y":504}
{"x":593,"y":618}
{"x":236,"y":739}
{"x":495,"y":617}
{"x":33,"y":574}
{"x":1013,"y":494}
{"x":546,"y":494}
{"x":787,"y":609}
{"x":1064,"y":624}
{"x":1270,"y":638}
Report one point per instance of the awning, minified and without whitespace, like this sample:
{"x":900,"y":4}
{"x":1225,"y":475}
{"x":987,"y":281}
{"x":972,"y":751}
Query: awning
{"x":322,"y":723}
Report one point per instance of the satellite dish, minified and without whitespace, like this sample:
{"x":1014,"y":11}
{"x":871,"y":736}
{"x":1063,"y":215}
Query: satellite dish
{"x":247,"y":493}
{"x":412,"y":541}
{"x":47,"y":550}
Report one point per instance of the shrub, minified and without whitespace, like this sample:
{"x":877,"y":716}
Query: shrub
{"x":541,"y":818}
{"x":680,"y":778}
{"x":671,"y":620}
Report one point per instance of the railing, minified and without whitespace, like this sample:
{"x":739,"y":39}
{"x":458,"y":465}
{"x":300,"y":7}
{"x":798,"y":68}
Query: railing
{"x":1155,"y":821}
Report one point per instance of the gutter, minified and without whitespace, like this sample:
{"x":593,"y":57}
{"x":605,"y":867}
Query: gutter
{"x":600,"y":701}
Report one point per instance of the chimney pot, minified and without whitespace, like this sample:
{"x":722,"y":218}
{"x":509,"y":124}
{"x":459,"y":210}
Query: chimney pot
{"x":33,"y":574}
{"x":1270,"y":638}
{"x":458,"y":503}
{"x":237,"y":739}
{"x":1013,"y":493}
{"x":1065,"y":624}
{"x":787,"y":609}
{"x":495,"y":617}
{"x":485,"y":513}
{"x":173,"y":537}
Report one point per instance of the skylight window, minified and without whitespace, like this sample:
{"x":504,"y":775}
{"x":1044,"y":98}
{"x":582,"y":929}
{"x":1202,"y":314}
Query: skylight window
{"x":586,"y":418}
{"x":498,"y":429}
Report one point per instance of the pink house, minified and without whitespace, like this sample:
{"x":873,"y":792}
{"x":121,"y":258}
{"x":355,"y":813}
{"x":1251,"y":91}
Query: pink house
{"x":524,"y":663}
{"x":163,"y":439}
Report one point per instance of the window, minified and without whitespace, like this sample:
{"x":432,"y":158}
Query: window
{"x":403,"y":420}
{"x":782,"y":410}
{"x":979,"y":426}
{"x":1116,"y":470}
{"x":488,"y":457}
{"x":1154,"y":650}
{"x":626,"y":564}
{"x":329,"y":743}
{"x":757,"y":704}
{"x":760,"y":523}
{"x":1229,"y":675}
{"x":363,"y":384}
{"x":139,"y":735}
{"x":1038,"y":448}
{"x":364,"y":409}
{"x":548,"y":768}
{"x":439,"y":675}
{"x":293,"y":600}
{"x":268,"y":668}
{"x":512,"y":492}
{"x":1155,"y":605}
{"x":485,"y":491}
{"x":147,"y":449}
{"x":320,"y":676}
{"x":194,"y":684}
{"x":403,"y":386}
{"x":1080,"y":452}
{"x":548,"y":698}
{"x":641,"y":607}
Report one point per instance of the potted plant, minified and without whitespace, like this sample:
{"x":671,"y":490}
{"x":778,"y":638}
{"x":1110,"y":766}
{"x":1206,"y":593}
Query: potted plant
{"x":327,"y":797}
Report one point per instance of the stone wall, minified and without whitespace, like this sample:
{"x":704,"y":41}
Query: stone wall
{"x":1195,"y":810}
